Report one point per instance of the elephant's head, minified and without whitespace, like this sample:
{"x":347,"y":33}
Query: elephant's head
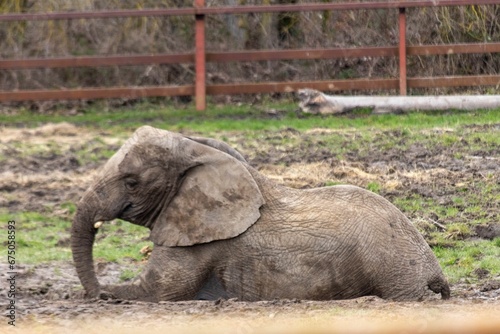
{"x":186,"y":190}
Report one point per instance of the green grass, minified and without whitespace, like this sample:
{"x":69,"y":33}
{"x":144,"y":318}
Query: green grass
{"x":129,"y":274}
{"x":374,"y":187}
{"x":247,"y":118}
{"x":460,"y":262}
{"x":94,"y":151}
{"x":468,"y":207}
{"x":40,"y":150}
{"x":41,"y":237}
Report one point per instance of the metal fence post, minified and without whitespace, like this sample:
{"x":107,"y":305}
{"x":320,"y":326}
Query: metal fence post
{"x":200,"y":65}
{"x":402,"y":51}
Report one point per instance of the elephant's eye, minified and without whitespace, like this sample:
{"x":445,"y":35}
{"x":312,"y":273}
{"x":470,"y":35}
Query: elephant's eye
{"x":131,"y":183}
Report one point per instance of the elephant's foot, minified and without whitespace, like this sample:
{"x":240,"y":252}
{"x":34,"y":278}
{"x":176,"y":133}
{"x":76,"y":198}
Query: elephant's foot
{"x":126,"y":292}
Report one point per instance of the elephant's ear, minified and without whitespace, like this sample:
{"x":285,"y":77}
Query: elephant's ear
{"x":217,"y":199}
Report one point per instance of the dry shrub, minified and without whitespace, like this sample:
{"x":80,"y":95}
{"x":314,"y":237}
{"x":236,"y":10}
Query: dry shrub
{"x":447,"y":25}
{"x":238,"y":32}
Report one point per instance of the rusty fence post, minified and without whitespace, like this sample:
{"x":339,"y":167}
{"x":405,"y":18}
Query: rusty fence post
{"x":200,"y":65}
{"x":402,"y":51}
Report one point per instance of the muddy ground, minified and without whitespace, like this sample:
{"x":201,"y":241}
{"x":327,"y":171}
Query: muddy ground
{"x":44,"y":167}
{"x":49,"y":303}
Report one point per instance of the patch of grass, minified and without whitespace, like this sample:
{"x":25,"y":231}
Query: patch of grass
{"x":467,"y":201}
{"x":129,"y":274}
{"x":37,"y":236}
{"x":69,"y":207}
{"x":496,"y":242}
{"x":42,"y":150}
{"x":413,"y":204}
{"x":458,"y":231}
{"x":460,"y":261}
{"x":95,"y":151}
{"x":374,"y":187}
{"x":120,"y":240}
{"x":41,"y":237}
{"x":449,"y":139}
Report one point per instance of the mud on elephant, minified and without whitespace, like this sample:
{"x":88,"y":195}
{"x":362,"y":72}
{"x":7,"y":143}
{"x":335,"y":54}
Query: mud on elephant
{"x":221,"y":229}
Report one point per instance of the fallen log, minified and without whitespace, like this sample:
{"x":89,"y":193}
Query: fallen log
{"x":315,"y":102}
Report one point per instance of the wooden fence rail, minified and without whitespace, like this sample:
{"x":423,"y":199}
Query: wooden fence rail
{"x":200,"y":57}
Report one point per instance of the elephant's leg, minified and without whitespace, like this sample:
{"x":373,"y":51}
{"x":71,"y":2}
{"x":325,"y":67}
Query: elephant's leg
{"x":133,"y":291}
{"x":171,"y":274}
{"x":212,"y":289}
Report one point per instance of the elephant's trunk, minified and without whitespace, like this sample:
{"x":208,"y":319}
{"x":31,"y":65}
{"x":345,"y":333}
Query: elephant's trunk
{"x":82,"y":240}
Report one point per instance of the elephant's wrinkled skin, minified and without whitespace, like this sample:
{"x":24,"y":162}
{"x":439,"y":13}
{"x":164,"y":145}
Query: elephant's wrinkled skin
{"x":222,"y":229}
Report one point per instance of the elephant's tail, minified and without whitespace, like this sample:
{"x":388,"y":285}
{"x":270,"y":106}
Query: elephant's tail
{"x":440,"y":285}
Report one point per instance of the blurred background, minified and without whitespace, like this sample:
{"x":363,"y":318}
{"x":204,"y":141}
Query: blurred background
{"x":152,"y":35}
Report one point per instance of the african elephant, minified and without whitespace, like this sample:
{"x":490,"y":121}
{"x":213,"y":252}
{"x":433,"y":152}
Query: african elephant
{"x":221,"y":228}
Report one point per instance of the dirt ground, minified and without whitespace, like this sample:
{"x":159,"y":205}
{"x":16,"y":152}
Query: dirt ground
{"x":48,"y":294}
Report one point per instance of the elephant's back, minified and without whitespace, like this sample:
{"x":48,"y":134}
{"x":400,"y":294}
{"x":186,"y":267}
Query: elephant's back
{"x":328,"y":208}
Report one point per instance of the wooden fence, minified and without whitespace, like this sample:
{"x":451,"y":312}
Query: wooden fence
{"x":200,"y":57}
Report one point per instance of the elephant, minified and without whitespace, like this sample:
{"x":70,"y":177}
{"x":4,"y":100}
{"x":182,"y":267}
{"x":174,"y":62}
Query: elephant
{"x":222,"y":229}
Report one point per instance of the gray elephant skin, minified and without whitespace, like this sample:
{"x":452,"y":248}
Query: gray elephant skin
{"x":221,"y":229}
